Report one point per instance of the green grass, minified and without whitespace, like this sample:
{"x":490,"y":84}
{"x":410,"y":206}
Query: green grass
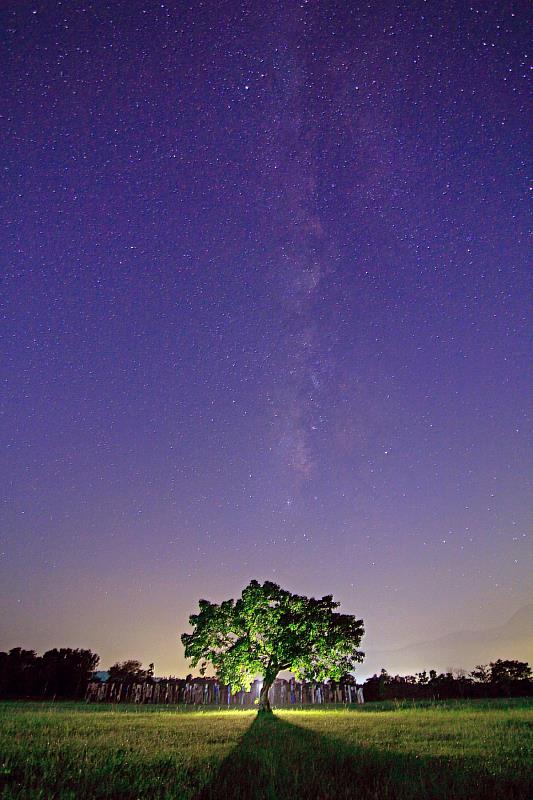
{"x":432,"y":750}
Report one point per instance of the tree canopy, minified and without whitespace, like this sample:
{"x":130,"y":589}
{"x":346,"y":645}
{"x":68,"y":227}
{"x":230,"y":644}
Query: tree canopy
{"x":130,"y":671}
{"x":269,"y":629}
{"x":502,"y":671}
{"x":63,"y":672}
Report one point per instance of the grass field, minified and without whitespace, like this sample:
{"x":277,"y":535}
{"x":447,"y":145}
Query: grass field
{"x":463,"y":750}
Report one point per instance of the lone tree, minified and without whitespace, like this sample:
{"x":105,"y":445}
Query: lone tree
{"x":268,"y":630}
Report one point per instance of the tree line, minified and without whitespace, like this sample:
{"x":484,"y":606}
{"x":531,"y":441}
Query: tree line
{"x":62,"y":672}
{"x":501,"y":678}
{"x":65,"y":673}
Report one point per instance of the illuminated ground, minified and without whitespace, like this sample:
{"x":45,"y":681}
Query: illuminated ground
{"x":446,"y":750}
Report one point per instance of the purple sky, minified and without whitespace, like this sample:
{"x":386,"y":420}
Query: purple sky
{"x":264,"y":308}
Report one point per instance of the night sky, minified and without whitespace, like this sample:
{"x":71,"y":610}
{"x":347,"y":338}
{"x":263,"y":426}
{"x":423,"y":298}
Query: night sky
{"x":264,"y":314}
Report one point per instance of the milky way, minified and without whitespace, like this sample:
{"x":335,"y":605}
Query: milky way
{"x":265,"y":302}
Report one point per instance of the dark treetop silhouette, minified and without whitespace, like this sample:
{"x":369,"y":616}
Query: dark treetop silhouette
{"x":269,"y":629}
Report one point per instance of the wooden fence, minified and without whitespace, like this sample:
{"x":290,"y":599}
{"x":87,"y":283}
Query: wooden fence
{"x":209,"y":692}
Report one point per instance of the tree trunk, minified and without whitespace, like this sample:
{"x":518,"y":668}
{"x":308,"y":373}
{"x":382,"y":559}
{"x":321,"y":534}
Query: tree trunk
{"x":264,"y":702}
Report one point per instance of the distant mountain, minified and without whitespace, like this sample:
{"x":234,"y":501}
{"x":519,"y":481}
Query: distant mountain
{"x":462,"y":649}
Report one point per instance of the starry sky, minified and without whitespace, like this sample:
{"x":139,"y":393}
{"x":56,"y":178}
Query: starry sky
{"x":264,"y":313}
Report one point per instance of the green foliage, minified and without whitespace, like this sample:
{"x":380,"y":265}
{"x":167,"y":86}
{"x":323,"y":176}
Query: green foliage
{"x":269,"y":629}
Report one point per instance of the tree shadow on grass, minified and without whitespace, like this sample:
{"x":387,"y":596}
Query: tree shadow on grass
{"x":277,"y":760}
